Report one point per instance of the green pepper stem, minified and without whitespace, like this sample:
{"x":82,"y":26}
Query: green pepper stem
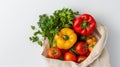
{"x":84,"y":24}
{"x":65,"y":37}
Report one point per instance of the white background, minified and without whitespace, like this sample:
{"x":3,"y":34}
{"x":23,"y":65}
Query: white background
{"x":16,"y":16}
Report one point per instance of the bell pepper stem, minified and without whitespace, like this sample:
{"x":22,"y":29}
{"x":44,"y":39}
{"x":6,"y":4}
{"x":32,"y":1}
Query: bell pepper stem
{"x":84,"y":24}
{"x":65,"y":37}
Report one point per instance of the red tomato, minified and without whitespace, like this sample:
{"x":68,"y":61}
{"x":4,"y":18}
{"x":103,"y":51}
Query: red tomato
{"x":54,"y":52}
{"x":88,"y":53}
{"x":64,"y":51}
{"x":81,"y":58}
{"x":70,"y":57}
{"x":81,"y":48}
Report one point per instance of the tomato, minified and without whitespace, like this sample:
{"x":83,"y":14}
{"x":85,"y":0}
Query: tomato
{"x":88,"y":53}
{"x":64,"y":51}
{"x":70,"y":57}
{"x":81,"y":48}
{"x":54,"y":52}
{"x":81,"y":58}
{"x":91,"y":39}
{"x":91,"y":46}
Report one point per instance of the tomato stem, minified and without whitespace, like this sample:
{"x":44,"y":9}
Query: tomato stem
{"x":92,"y":45}
{"x":85,"y":46}
{"x":54,"y":52}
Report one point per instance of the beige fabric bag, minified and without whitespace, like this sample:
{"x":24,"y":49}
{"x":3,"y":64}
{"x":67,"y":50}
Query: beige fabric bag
{"x":97,"y":58}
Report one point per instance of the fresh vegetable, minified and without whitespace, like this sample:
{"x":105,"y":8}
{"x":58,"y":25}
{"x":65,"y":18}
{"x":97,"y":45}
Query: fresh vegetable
{"x":54,"y":52}
{"x":72,"y":50}
{"x":81,"y":58}
{"x":84,"y":24}
{"x":91,"y":40}
{"x":70,"y":57}
{"x":66,"y":38}
{"x":88,"y":53}
{"x":64,"y":51}
{"x":49,"y":26}
{"x":91,"y":46}
{"x":70,"y":36}
{"x":81,"y":48}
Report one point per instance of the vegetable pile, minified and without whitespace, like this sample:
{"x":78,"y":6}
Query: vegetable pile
{"x":69,"y":33}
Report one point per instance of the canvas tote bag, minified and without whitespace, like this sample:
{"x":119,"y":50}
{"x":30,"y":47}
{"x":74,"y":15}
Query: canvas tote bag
{"x":97,"y":58}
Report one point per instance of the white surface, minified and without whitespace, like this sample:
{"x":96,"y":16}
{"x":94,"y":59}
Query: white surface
{"x":16,"y":16}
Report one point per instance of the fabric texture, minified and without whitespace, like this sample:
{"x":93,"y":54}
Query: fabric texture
{"x":98,"y":57}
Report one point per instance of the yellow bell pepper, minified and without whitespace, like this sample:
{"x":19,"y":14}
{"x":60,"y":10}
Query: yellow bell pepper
{"x":66,"y":38}
{"x":91,"y":40}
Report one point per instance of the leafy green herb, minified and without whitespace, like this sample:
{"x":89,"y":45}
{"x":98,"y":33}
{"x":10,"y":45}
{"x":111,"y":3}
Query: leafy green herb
{"x":32,"y":27}
{"x":51,"y":25}
{"x":40,"y":43}
{"x":34,"y":38}
{"x":37,"y":32}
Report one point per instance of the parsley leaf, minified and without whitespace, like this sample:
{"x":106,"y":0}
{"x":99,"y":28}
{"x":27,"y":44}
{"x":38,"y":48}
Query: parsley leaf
{"x":32,"y":27}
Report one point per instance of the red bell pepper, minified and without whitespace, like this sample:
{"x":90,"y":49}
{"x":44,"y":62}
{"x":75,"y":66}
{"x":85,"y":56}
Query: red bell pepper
{"x":84,"y":24}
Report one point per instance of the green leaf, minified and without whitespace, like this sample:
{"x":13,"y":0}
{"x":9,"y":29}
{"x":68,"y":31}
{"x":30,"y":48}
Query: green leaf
{"x":40,"y":43}
{"x":76,"y":13}
{"x":37,"y":32}
{"x":73,"y":51}
{"x":30,"y":38}
{"x":67,"y":25}
{"x":34,"y":38}
{"x":32,"y":27}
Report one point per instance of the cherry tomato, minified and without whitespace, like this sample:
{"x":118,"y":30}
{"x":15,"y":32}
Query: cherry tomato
{"x":54,"y":52}
{"x":81,"y":48}
{"x":81,"y":58}
{"x":91,"y":46}
{"x":64,"y":51}
{"x":88,"y":53}
{"x":70,"y":57}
